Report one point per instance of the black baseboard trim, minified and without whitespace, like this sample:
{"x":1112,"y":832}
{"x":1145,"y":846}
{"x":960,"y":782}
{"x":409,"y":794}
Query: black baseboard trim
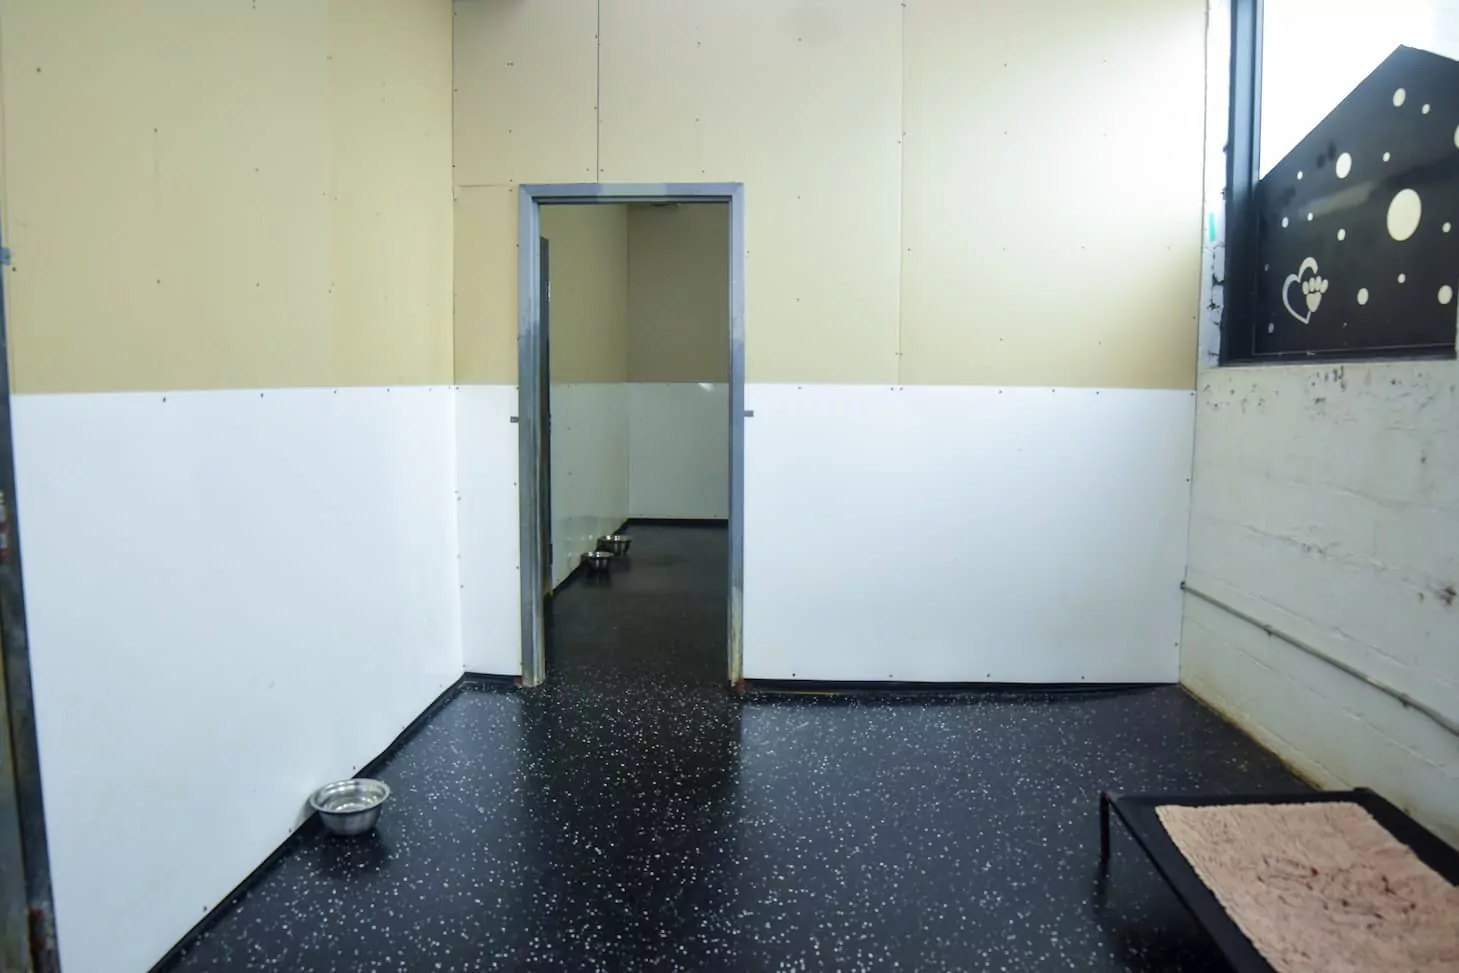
{"x":411,"y":729}
{"x":308,"y":829}
{"x":490,"y":682}
{"x":676,"y":522}
{"x":578,"y":570}
{"x":310,"y":826}
{"x":890,"y":688}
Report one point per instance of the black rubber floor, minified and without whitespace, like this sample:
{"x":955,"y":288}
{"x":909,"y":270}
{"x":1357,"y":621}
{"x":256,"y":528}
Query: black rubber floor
{"x":634,"y":816}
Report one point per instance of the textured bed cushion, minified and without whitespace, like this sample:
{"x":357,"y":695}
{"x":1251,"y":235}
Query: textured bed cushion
{"x":1321,"y":887}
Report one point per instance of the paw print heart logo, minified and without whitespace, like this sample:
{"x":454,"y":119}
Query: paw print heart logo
{"x":1313,"y":287}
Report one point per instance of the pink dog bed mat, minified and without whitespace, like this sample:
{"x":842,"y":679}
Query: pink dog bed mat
{"x":1337,"y":882}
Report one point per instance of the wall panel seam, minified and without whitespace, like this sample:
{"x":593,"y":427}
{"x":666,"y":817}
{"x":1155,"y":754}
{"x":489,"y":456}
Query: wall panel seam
{"x":598,"y":92}
{"x":901,"y":183}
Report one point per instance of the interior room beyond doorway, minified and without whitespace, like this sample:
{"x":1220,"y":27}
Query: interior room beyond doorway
{"x":636,"y":324}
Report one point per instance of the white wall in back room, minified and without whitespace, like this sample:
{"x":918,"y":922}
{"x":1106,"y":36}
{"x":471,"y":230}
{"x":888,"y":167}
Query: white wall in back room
{"x":589,"y":447}
{"x":955,"y":534}
{"x":202,"y":569}
{"x":678,"y":450}
{"x":1326,"y":504}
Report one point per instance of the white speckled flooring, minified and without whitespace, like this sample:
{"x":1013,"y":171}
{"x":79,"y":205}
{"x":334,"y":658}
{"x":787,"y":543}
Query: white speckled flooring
{"x":634,"y":816}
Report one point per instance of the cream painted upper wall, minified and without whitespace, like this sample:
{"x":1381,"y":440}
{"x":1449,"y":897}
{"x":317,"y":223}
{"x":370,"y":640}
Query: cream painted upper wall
{"x":678,"y":293}
{"x":227,"y":194}
{"x":1039,"y":224}
{"x":588,"y":274}
{"x":485,"y":258}
{"x":526,"y":91}
{"x":1052,"y":192}
{"x":800,"y":103}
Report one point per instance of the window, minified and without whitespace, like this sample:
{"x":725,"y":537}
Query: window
{"x":1342,"y":179}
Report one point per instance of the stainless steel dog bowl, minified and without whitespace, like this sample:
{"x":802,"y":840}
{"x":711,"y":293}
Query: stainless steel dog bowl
{"x":350,"y":806}
{"x":616,"y":544}
{"x":597,"y":561}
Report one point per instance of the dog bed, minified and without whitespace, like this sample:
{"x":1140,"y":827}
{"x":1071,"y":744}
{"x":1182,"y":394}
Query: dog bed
{"x":1338,"y":882}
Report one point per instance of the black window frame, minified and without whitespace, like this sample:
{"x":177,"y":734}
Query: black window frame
{"x":1243,"y":173}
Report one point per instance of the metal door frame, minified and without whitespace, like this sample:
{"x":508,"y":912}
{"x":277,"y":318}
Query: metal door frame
{"x":529,"y":387}
{"x":28,"y":823}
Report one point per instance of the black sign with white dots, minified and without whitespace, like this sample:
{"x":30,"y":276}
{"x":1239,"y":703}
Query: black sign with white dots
{"x":1359,"y":224}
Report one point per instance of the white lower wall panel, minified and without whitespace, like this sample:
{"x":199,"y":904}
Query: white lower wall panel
{"x":589,"y":445}
{"x":965,"y":534}
{"x":487,"y":521}
{"x":678,"y":439}
{"x":204,"y":572}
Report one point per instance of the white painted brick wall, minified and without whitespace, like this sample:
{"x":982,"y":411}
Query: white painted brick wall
{"x":1326,"y":503}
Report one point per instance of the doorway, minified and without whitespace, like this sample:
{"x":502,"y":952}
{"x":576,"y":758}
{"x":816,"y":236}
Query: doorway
{"x":535,"y":312}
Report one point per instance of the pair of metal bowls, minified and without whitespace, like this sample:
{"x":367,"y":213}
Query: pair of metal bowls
{"x":350,"y":807}
{"x":609,"y":547}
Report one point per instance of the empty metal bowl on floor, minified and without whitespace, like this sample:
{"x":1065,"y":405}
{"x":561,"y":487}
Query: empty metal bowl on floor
{"x":597,"y":561}
{"x":350,"y":806}
{"x":615,"y":544}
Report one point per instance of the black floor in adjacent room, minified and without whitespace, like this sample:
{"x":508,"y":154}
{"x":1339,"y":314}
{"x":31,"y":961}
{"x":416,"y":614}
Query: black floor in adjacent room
{"x":634,"y":815}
